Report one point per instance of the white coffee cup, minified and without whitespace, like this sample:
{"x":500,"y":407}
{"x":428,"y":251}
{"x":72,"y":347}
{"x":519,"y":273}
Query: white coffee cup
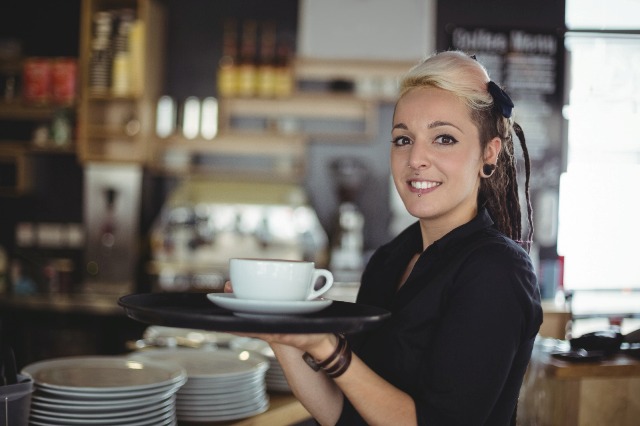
{"x":277,"y":279}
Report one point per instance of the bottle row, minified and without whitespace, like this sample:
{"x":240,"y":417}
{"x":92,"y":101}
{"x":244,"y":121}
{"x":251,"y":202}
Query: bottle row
{"x":116,"y":53}
{"x":256,"y":61}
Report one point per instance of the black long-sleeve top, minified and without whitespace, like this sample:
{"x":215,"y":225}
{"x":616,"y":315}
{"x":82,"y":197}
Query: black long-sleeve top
{"x":462,"y":326}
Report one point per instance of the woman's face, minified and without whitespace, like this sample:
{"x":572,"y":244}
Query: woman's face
{"x":436,"y":157}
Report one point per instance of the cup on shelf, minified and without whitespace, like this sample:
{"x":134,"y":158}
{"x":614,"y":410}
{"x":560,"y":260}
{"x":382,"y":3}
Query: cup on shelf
{"x":278,"y":279}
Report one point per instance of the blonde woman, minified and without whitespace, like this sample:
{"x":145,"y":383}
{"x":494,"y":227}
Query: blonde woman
{"x":459,"y":283}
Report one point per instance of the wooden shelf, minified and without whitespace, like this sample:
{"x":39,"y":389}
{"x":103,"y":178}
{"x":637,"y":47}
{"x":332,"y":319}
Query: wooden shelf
{"x":284,"y":156}
{"x":20,"y":111}
{"x":345,"y":69}
{"x":241,"y":143}
{"x":300,"y":105}
{"x":305,"y":106}
{"x":103,"y":118}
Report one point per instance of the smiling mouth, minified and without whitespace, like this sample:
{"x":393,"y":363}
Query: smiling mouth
{"x":422,"y":185}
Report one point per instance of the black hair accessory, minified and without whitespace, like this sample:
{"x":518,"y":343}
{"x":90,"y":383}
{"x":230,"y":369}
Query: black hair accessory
{"x":501,"y":100}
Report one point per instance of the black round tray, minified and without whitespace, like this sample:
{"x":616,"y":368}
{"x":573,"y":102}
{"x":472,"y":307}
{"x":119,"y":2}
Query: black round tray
{"x":195,"y":310}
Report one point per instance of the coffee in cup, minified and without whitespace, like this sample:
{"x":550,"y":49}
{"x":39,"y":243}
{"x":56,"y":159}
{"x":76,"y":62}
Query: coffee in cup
{"x":278,"y":279}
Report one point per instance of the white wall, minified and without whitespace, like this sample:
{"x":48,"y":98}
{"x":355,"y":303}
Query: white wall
{"x":367,"y":29}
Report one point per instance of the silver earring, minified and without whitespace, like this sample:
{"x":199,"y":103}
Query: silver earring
{"x":488,"y":169}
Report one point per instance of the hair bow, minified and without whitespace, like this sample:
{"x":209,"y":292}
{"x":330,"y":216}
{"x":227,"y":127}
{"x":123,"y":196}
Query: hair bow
{"x":501,"y":100}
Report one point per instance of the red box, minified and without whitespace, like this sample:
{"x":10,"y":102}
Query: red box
{"x":36,"y":80}
{"x":64,"y":73}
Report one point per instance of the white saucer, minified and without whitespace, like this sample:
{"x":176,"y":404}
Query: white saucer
{"x":267,"y":307}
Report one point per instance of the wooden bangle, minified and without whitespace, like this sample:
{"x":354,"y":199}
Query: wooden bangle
{"x":338,"y":369}
{"x":315,"y":365}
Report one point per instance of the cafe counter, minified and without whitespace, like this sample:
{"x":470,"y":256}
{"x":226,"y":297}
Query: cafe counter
{"x":284,"y":409}
{"x":45,"y":326}
{"x":585,"y":393}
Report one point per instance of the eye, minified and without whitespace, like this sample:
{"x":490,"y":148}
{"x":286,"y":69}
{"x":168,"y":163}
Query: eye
{"x":445,"y":140}
{"x":401,"y":141}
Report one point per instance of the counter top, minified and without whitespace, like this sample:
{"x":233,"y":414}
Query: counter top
{"x":96,"y":304}
{"x":619,"y":365}
{"x":284,"y":409}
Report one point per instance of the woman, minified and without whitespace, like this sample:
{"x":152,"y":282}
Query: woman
{"x":462,"y":292}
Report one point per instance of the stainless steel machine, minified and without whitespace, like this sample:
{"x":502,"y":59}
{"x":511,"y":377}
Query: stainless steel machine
{"x":111,"y":211}
{"x":205,"y":222}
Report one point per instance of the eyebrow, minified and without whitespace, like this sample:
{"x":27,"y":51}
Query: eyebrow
{"x":431,"y":125}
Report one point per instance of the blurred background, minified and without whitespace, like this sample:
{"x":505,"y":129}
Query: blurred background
{"x":144,"y":142}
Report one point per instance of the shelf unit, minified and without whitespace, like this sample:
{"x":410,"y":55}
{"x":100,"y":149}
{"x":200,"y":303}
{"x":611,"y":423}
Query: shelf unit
{"x":15,"y":155}
{"x":281,"y":134}
{"x":283,"y":156}
{"x":17,"y":110}
{"x":15,"y":169}
{"x":338,"y":108}
{"x":116,"y":128}
{"x":122,"y":128}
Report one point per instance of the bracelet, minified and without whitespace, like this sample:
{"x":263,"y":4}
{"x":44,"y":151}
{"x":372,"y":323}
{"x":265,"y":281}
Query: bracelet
{"x":338,"y":369}
{"x":316,"y":366}
{"x":342,"y":353}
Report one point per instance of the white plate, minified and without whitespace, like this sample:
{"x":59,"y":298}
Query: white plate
{"x":242,"y":307}
{"x":208,"y":364}
{"x":162,"y":420}
{"x":222,"y":398}
{"x":103,"y":374}
{"x":253,"y":344}
{"x":66,"y":405}
{"x":217,"y":388}
{"x":169,"y":421}
{"x":75,"y":395}
{"x":162,"y":413}
{"x":220,"y":416}
{"x":109,"y":413}
{"x":195,"y":336}
{"x":204,"y":406}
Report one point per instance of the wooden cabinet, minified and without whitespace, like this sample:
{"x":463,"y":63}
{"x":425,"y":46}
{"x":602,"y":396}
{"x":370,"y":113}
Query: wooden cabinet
{"x":118,"y":95}
{"x":557,"y":392}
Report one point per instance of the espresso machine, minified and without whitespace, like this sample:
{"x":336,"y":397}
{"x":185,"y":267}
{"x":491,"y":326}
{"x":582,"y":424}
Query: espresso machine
{"x":346,"y":261}
{"x":205,"y":222}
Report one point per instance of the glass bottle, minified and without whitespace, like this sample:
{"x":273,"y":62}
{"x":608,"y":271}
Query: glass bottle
{"x":266,"y":66}
{"x":227,"y":78}
{"x":284,"y":81}
{"x":247,"y":69}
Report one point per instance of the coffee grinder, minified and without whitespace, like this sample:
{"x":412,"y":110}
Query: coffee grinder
{"x":346,"y":260}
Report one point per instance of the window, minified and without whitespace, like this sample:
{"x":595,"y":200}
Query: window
{"x":599,"y":218}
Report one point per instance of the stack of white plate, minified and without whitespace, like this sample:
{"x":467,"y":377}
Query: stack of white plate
{"x":275,"y":378}
{"x":161,"y":336}
{"x":98,"y":390}
{"x":222,"y":385}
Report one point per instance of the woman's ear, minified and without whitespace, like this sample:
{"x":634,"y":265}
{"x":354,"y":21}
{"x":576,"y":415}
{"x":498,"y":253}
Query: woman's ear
{"x":492,"y":150}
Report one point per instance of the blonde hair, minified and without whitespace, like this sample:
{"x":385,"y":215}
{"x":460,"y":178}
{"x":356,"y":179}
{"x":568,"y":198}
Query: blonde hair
{"x":465,"y":77}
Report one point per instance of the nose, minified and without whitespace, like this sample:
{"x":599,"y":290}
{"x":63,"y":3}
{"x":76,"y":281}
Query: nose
{"x":418,"y":157}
